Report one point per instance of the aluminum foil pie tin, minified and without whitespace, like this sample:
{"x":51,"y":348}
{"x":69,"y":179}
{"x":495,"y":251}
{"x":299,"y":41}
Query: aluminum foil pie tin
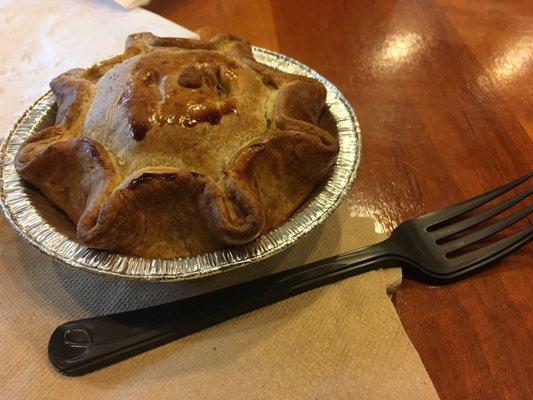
{"x":44,"y":226}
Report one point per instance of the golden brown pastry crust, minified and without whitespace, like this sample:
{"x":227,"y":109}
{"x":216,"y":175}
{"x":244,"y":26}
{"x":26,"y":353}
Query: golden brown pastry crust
{"x":179,"y":146}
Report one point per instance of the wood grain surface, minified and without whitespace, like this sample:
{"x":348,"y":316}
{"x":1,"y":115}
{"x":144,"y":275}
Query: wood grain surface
{"x":443,"y":91}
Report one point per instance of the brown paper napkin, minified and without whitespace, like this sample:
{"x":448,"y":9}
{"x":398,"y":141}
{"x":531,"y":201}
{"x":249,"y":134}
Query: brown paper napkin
{"x":343,"y":341}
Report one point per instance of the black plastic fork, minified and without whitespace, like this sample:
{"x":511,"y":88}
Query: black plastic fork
{"x":416,"y":245}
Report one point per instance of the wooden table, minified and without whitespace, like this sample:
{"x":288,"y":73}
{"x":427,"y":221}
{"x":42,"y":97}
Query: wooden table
{"x":443,"y":91}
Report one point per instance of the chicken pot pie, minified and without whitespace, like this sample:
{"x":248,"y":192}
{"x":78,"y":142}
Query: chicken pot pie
{"x":179,"y":147}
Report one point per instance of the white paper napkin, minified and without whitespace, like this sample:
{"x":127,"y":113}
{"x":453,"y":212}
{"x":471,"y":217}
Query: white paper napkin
{"x":129,"y":4}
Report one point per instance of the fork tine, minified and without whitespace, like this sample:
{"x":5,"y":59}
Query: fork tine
{"x":467,"y":205}
{"x":486,"y":232}
{"x":477,"y":219}
{"x":494,"y":251}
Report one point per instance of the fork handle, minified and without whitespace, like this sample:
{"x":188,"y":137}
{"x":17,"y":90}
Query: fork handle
{"x":78,"y":347}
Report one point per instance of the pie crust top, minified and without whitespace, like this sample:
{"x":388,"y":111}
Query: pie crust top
{"x":178,"y":147}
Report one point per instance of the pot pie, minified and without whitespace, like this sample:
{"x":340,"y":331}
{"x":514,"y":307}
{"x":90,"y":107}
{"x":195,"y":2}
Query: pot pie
{"x":179,"y":147}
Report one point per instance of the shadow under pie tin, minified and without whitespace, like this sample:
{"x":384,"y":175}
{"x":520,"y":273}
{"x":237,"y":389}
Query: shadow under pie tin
{"x":44,"y":226}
